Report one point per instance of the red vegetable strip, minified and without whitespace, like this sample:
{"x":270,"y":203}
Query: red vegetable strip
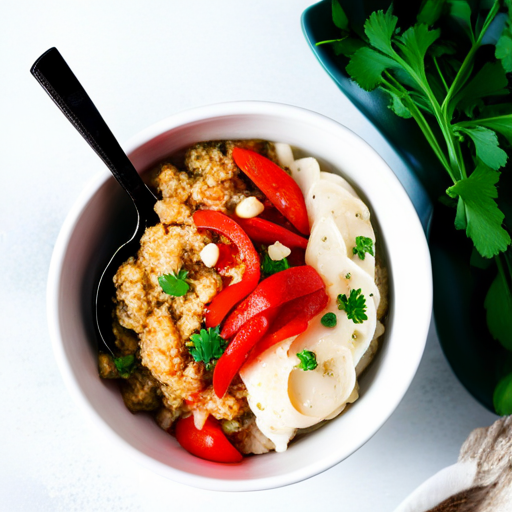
{"x":272,"y":292}
{"x":264,"y":232}
{"x":228,"y":297}
{"x":279,"y":187}
{"x":272,"y":214}
{"x":237,"y":351}
{"x":209,"y":443}
{"x":292,"y":320}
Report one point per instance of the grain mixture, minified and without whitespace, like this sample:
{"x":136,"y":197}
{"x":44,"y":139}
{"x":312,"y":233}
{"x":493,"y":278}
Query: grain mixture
{"x":155,"y":326}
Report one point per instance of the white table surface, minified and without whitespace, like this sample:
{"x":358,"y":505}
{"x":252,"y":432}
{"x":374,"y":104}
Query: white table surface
{"x":140,"y":62}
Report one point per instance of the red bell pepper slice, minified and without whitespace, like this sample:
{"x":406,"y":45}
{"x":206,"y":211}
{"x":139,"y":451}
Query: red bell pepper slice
{"x":272,"y":214}
{"x":292,"y":320}
{"x":209,"y":443}
{"x":231,"y":295}
{"x":264,"y":232}
{"x":272,"y":292}
{"x":237,"y":351}
{"x":279,"y":187}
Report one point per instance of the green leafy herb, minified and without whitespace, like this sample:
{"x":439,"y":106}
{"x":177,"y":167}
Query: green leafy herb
{"x":338,"y":15}
{"x":498,"y":304}
{"x":354,"y":305}
{"x":329,"y":320}
{"x":174,"y":284}
{"x":429,"y":79}
{"x":307,"y":360}
{"x":502,"y":397}
{"x":363,"y":245}
{"x":125,"y":365}
{"x":269,"y":266}
{"x":478,"y":213}
{"x":207,"y":346}
{"x":504,"y":43}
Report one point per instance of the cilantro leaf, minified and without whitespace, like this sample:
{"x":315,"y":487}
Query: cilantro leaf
{"x":498,"y":303}
{"x":497,"y":118}
{"x":125,"y":365}
{"x":347,"y":46}
{"x":490,"y":80}
{"x":430,"y":12}
{"x":363,"y":245}
{"x":354,"y":305}
{"x":397,"y":105}
{"x":338,"y":15}
{"x":379,"y":28}
{"x":502,"y":398}
{"x":483,"y":216}
{"x":366,"y":67}
{"x":414,"y":43}
{"x":207,"y":346}
{"x":329,"y":320}
{"x":503,"y":50}
{"x":174,"y":284}
{"x":270,"y":267}
{"x":307,"y":360}
{"x":460,"y":11}
{"x":486,"y":146}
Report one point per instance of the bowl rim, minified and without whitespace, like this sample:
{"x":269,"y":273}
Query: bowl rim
{"x":54,"y":280}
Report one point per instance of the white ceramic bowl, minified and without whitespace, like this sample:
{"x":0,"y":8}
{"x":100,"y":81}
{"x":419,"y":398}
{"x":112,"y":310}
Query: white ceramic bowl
{"x":100,"y":220}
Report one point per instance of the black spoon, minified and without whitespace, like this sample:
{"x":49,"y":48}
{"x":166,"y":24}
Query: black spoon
{"x":57,"y":79}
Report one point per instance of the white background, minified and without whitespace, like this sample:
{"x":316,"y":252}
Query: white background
{"x":140,"y":62}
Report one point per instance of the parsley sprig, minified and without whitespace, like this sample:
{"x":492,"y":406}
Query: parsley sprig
{"x":445,"y":96}
{"x":270,"y":267}
{"x":354,"y":305}
{"x":207,"y":346}
{"x":307,"y":360}
{"x":174,"y":284}
{"x":363,"y":245}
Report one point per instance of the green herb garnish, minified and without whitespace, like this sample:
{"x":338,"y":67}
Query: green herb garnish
{"x":174,"y":284}
{"x":125,"y":365}
{"x":207,"y":346}
{"x":307,"y":360}
{"x":450,"y":94}
{"x":329,"y":320}
{"x":354,"y":305}
{"x":363,"y":245}
{"x":270,"y":267}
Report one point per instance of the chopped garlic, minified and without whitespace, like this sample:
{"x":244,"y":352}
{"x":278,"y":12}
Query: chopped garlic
{"x":278,"y":251}
{"x":249,"y":207}
{"x":210,"y":255}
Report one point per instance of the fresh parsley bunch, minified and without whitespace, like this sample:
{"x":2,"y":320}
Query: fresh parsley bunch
{"x":457,"y":91}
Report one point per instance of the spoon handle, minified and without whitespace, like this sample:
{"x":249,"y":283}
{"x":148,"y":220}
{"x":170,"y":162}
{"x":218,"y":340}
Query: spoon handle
{"x":57,"y":79}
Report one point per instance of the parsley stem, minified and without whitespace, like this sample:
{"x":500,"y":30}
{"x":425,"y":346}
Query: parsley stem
{"x":330,"y":41}
{"x":483,"y":121}
{"x":398,"y":89}
{"x":440,"y":74}
{"x":462,"y":75}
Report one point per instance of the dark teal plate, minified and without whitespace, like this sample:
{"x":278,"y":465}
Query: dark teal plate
{"x":459,"y":289}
